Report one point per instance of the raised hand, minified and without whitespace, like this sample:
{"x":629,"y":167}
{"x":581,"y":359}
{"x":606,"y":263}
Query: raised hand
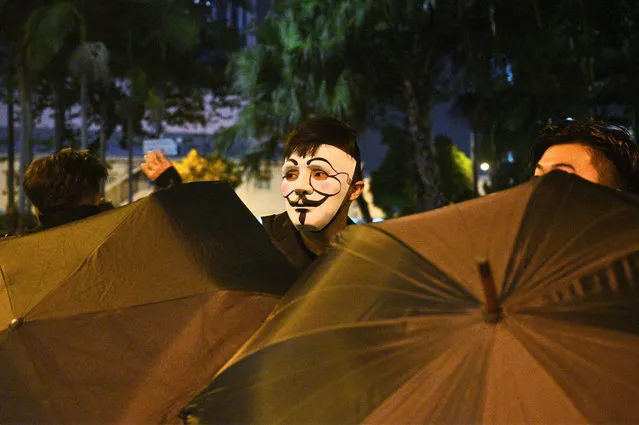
{"x":155,"y":163}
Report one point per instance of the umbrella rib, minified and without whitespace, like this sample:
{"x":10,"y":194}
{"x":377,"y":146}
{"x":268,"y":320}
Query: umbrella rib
{"x":402,"y":347}
{"x":439,"y":286}
{"x":6,"y":288}
{"x":452,"y":283}
{"x":341,"y":326}
{"x":146,"y":304}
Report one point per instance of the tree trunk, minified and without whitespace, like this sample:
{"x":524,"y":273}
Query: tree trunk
{"x":11,"y":158}
{"x":104,"y":112}
{"x":26,"y":148}
{"x":473,"y":160}
{"x":429,"y":194}
{"x":59,"y":121}
{"x":160,"y":114}
{"x":84,"y":137}
{"x":129,"y":145}
{"x":636,"y":123}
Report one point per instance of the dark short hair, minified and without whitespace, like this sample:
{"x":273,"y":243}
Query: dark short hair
{"x":62,"y":180}
{"x":306,"y":139}
{"x":607,"y":141}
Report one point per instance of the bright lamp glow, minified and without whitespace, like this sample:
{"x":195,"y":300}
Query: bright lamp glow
{"x":484,"y":166}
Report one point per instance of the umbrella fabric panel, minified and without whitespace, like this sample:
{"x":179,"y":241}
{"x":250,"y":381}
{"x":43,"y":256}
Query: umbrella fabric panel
{"x":197,"y":238}
{"x":448,"y":235}
{"x":33,"y":264}
{"x":519,"y":388}
{"x":571,"y":228}
{"x":340,"y":376}
{"x":460,"y":386}
{"x":535,"y":372}
{"x":603,"y":361}
{"x":84,"y":366}
{"x":122,"y":273}
{"x":6,"y":311}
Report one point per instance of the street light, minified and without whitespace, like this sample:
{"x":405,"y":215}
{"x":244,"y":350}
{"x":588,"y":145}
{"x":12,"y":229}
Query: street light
{"x":484,"y":166}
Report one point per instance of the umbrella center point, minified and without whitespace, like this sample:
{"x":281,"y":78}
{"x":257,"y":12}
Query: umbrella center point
{"x":15,"y":323}
{"x":493,"y":317}
{"x":493,"y":312}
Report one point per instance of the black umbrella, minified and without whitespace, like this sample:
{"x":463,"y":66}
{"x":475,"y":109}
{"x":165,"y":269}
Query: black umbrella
{"x":519,"y":307}
{"x":123,"y":317}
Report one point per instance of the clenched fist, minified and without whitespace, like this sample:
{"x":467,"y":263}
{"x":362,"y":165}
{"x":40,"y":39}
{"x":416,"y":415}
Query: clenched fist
{"x":155,"y":163}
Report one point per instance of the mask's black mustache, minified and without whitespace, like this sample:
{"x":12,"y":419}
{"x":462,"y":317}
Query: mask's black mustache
{"x":303,"y":202}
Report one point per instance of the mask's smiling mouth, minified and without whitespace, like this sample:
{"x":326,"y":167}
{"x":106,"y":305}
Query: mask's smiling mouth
{"x":303,"y":203}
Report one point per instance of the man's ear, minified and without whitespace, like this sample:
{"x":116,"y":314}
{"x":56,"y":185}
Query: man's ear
{"x":357,"y":189}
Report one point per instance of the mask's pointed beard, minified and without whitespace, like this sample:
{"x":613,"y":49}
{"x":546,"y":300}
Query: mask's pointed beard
{"x":302,"y":217}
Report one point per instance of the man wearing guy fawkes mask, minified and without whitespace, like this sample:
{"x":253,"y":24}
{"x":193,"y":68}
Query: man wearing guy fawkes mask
{"x":321,"y":176}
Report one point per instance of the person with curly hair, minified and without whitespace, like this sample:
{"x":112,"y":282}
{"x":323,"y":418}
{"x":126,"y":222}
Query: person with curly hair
{"x":65,"y":187}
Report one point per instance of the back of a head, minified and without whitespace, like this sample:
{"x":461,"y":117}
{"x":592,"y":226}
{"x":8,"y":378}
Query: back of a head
{"x":306,"y":138}
{"x":612,"y":141}
{"x":63,"y":180}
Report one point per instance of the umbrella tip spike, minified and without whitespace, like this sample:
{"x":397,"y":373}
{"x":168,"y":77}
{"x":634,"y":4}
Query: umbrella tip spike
{"x":492,"y":310}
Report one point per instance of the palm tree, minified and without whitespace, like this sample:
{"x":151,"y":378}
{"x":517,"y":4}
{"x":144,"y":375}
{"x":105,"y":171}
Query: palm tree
{"x":25,"y":78}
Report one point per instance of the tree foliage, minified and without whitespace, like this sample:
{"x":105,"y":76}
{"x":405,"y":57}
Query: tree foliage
{"x":362,"y":60}
{"x":456,"y":170}
{"x":136,"y":60}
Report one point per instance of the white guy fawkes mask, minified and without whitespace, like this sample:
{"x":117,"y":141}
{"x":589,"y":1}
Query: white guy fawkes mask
{"x":315,"y":187}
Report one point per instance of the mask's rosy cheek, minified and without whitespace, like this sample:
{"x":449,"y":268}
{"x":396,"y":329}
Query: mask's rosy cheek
{"x":328,"y":187}
{"x":287,"y":187}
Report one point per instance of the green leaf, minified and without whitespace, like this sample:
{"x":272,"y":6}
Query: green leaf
{"x":341,"y":95}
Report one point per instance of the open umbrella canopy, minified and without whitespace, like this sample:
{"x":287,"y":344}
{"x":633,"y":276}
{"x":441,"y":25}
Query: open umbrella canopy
{"x":123,"y":317}
{"x":518,"y":307}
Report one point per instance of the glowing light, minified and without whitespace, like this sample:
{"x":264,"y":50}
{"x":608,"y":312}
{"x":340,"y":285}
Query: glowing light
{"x":484,"y":166}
